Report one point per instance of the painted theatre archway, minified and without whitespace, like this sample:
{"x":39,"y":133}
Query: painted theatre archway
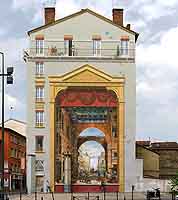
{"x":82,"y":99}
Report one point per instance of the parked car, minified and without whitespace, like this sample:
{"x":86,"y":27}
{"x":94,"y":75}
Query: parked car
{"x":153,"y":194}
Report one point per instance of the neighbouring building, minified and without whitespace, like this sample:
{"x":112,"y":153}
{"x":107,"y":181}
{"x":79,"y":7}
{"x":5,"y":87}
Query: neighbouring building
{"x":168,"y":161}
{"x":81,"y":73}
{"x":168,"y":157}
{"x":15,"y":154}
{"x":150,"y":160}
{"x":102,"y":164}
{"x":83,"y":162}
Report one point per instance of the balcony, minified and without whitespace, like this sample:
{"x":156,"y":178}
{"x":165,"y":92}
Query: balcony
{"x":81,"y":49}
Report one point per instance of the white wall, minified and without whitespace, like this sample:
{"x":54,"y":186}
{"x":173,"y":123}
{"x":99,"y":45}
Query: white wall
{"x":147,"y":184}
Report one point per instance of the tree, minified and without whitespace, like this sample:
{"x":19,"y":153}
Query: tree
{"x":174,"y":183}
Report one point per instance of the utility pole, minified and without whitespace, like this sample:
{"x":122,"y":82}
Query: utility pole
{"x":9,"y":81}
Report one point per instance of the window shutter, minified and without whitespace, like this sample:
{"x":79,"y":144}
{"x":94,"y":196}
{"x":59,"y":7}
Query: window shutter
{"x":39,"y":37}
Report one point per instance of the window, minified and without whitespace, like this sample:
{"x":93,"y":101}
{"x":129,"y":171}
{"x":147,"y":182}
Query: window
{"x":96,"y":47}
{"x":12,"y":152}
{"x":39,"y":143}
{"x":39,"y":93}
{"x":39,"y":165}
{"x":39,"y":46}
{"x":39,"y":68}
{"x":114,"y":155}
{"x":68,"y":48}
{"x":39,"y":118}
{"x":114,"y":132}
{"x":15,"y":154}
{"x":124,"y":47}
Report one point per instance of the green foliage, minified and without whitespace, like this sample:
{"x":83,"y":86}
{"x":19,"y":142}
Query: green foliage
{"x":174,"y":183}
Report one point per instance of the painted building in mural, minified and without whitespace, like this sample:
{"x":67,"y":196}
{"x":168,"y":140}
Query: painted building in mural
{"x":81,"y":74}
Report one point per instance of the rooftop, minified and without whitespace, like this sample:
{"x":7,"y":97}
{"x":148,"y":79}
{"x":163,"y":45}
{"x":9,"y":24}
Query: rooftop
{"x":16,"y":125}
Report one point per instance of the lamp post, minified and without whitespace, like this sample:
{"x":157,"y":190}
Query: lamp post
{"x":9,"y":81}
{"x":2,"y":146}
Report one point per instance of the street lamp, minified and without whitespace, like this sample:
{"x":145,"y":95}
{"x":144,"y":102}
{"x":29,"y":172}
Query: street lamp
{"x":9,"y":81}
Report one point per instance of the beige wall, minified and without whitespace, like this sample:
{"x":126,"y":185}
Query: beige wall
{"x":150,"y":161}
{"x":83,"y":28}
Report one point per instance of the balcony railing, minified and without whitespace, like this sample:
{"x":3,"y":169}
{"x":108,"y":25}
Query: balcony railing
{"x":81,"y":49}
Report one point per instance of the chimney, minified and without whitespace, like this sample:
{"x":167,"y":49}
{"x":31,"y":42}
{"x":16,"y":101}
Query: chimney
{"x":118,"y":16}
{"x":49,"y":15}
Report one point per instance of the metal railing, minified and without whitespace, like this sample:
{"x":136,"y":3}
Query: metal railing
{"x":82,"y":52}
{"x":81,"y":49}
{"x":85,"y":196}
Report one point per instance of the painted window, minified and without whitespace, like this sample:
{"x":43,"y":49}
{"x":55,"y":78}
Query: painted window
{"x":39,"y":93}
{"x":124,"y":47}
{"x":114,"y":132}
{"x":96,"y":47}
{"x":39,"y":46}
{"x":39,"y":118}
{"x":39,"y":143}
{"x":39,"y":68}
{"x":114,"y":155}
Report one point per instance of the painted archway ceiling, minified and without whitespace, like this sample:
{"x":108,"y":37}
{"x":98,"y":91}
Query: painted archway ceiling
{"x":90,"y":114}
{"x":87,"y":98}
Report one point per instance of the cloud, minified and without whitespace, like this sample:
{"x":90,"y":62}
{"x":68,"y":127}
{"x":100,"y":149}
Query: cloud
{"x":151,"y":10}
{"x":14,"y":108}
{"x":2,"y":32}
{"x":67,"y":7}
{"x":163,"y":52}
{"x":157,"y":76}
{"x":15,"y":94}
{"x":92,"y":132}
{"x":157,"y":87}
{"x":24,"y":5}
{"x":92,"y":148}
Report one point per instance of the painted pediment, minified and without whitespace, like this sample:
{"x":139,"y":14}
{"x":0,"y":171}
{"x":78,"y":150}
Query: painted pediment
{"x":87,"y":74}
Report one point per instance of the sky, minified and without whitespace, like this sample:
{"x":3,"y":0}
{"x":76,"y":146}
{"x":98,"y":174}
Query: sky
{"x":93,"y":149}
{"x":157,"y":47}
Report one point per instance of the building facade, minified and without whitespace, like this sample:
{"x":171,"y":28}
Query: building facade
{"x":168,"y":160}
{"x":15,"y":153}
{"x":81,"y":73}
{"x":150,"y":161}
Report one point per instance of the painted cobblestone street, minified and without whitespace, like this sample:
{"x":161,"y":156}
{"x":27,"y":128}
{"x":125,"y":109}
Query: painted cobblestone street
{"x":84,"y":196}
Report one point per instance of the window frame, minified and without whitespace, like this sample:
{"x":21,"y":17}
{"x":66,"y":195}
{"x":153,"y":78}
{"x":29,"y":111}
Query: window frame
{"x":97,"y":47}
{"x":39,"y":94}
{"x":39,"y":118}
{"x":39,"y":46}
{"x":124,"y":50}
{"x":39,"y":148}
{"x":39,"y":68}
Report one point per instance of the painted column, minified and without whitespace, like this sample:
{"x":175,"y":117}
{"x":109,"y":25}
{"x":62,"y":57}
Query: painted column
{"x":52,"y":109}
{"x":67,"y":172}
{"x":121,"y":147}
{"x":119,"y":91}
{"x":109,"y":158}
{"x":53,"y":93}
